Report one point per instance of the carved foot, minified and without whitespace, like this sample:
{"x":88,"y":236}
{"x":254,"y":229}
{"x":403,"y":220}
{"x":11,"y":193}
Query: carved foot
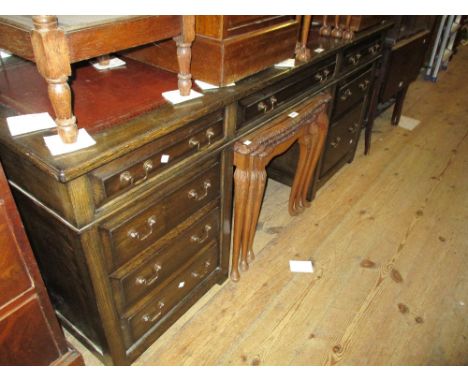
{"x":303,"y":54}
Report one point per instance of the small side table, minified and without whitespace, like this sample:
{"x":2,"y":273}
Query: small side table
{"x":307,"y":125}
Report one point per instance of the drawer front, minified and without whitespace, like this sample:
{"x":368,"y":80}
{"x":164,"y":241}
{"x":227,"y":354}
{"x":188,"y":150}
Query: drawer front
{"x":175,"y":290}
{"x":165,"y":262}
{"x":351,"y":92}
{"x":365,"y":51}
{"x":134,"y":230}
{"x":341,"y":139}
{"x":135,"y":168}
{"x":266,"y":101}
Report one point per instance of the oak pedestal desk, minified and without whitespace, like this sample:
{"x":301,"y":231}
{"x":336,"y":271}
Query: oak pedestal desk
{"x":130,"y":232}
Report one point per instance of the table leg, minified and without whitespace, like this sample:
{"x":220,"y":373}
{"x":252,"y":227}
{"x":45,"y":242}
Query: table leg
{"x":295,"y":206}
{"x":184,"y":54}
{"x":52,"y":60}
{"x":303,"y":53}
{"x":398,"y":108}
{"x":241,"y":192}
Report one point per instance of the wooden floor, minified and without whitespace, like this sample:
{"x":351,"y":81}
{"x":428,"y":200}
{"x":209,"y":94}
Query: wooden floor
{"x":388,"y":236}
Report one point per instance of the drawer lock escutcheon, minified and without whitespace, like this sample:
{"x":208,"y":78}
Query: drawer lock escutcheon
{"x":134,"y":234}
{"x":201,"y":239}
{"x":140,"y":280}
{"x":148,"y":318}
{"x":127,"y":178}
{"x":193,"y":194}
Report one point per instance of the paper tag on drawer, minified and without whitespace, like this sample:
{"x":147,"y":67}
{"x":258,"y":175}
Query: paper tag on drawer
{"x":28,"y":123}
{"x":288,"y":63}
{"x":57,"y":147}
{"x":294,"y":114}
{"x":164,"y":158}
{"x":319,"y":50}
{"x":301,"y":266}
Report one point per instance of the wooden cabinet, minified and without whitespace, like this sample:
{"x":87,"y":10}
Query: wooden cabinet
{"x":228,"y":48}
{"x":29,"y":331}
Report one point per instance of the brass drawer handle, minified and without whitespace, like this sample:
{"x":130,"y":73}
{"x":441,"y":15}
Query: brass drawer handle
{"x":374,"y":48}
{"x":204,"y":271}
{"x":193,"y":194}
{"x":363,"y":85}
{"x":148,"y":318}
{"x":354,"y":59}
{"x":195,"y":142}
{"x":335,"y":144}
{"x":133,"y":234}
{"x":209,"y":134}
{"x":127,"y":178}
{"x":346,"y":94}
{"x":262,"y":106}
{"x":273,"y":102}
{"x":322,"y":76}
{"x":200,"y":240}
{"x":140,"y":280}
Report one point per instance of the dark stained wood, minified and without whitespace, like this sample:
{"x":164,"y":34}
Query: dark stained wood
{"x":29,"y":330}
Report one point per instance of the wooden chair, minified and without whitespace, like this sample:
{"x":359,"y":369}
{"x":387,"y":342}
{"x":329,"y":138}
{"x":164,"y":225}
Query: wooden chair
{"x":55,"y":43}
{"x":308,"y":126}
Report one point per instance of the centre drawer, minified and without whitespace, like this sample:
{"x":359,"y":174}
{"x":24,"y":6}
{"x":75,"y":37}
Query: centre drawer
{"x":129,"y":286}
{"x":137,"y":167}
{"x":141,"y":225}
{"x":351,"y":91}
{"x":171,"y":295}
{"x":266,"y":101}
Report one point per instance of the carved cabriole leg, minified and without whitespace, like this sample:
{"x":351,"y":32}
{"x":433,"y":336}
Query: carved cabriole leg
{"x":320,"y":133}
{"x":241,"y":191}
{"x":259,"y":189}
{"x":303,"y":53}
{"x":184,"y":54}
{"x":53,"y":63}
{"x":300,"y":176}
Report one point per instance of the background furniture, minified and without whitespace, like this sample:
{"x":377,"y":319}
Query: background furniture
{"x":55,"y":43}
{"x":228,"y":48}
{"x":131,"y":232}
{"x":29,"y":331}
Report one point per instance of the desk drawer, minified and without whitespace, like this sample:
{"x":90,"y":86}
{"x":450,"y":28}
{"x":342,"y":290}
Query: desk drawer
{"x":341,"y":139}
{"x":171,"y":294}
{"x":130,"y":286}
{"x":135,"y":168}
{"x":127,"y":233}
{"x":357,"y":55}
{"x":352,"y":91}
{"x":266,"y":101}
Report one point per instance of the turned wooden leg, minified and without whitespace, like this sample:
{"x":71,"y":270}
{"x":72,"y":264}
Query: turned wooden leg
{"x":241,"y":191}
{"x":259,"y":189}
{"x":184,"y":54}
{"x":300,"y":175}
{"x":398,"y":108}
{"x":303,"y":53}
{"x":320,"y":133}
{"x":52,"y":59}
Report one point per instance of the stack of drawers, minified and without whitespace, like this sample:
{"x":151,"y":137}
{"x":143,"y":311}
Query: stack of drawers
{"x":151,"y":247}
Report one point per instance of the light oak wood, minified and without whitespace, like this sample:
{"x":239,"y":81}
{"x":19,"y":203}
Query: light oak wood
{"x":388,"y":238}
